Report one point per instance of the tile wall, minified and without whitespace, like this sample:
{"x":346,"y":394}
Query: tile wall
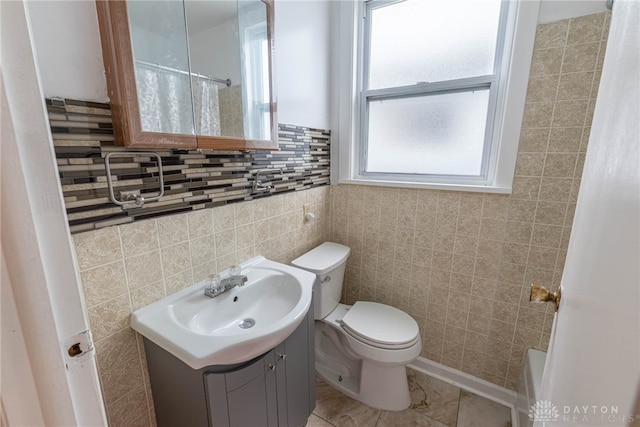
{"x":126,"y":267}
{"x":208,"y":220}
{"x":83,"y":135}
{"x":461,"y":263}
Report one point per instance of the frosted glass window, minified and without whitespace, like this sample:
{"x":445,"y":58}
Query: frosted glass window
{"x":416,"y":41}
{"x":428,"y":89}
{"x":440,"y":134}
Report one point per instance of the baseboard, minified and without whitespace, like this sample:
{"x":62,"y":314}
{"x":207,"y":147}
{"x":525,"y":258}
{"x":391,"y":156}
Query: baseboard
{"x":469,"y":383}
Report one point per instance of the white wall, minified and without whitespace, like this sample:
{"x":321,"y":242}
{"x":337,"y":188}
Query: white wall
{"x":67,"y":45}
{"x":303,"y":62}
{"x":69,"y":55}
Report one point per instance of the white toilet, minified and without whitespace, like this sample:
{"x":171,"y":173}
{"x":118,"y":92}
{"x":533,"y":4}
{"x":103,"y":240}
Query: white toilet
{"x":361,"y":350}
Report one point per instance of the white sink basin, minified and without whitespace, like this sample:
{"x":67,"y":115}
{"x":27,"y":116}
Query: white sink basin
{"x":234,"y":327}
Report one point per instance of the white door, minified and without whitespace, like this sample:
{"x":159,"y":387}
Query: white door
{"x":41,"y":383}
{"x":592,"y":373}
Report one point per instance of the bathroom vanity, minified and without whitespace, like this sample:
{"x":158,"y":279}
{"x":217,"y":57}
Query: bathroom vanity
{"x":276,"y":388}
{"x":241,"y":357}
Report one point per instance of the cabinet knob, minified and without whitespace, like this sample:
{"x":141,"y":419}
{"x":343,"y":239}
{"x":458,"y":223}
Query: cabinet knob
{"x":282,"y":356}
{"x":272,"y":367}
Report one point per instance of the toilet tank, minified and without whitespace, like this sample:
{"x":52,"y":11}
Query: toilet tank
{"x":328,"y":262}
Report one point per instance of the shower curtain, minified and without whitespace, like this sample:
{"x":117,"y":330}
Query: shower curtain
{"x":206,"y":106}
{"x":166,"y":104}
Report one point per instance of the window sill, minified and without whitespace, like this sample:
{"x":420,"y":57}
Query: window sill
{"x":427,"y":186}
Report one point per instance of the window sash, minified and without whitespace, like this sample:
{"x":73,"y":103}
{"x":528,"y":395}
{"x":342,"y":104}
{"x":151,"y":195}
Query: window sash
{"x":425,"y":89}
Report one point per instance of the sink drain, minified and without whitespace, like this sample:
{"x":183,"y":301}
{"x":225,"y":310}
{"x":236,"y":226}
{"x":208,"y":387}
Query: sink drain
{"x":247,"y":323}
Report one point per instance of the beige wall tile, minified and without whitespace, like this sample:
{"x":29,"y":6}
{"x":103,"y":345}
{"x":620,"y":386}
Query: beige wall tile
{"x":179,"y":281}
{"x":586,"y":29}
{"x":534,"y":140}
{"x":552,"y":213}
{"x":529,"y":164}
{"x":565,"y":140}
{"x":139,"y":237}
{"x":227,"y":259}
{"x":525,"y":187}
{"x":521,"y":210}
{"x":147,"y":295}
{"x":556,"y":189}
{"x":208,"y":268}
{"x":203,"y":249}
{"x":103,"y":283}
{"x":560,"y":165}
{"x":580,"y":57}
{"x":172,"y":229}
{"x":109,"y":317}
{"x":176,"y":258}
{"x":121,"y":380}
{"x":542,"y":88}
{"x":537,"y":114}
{"x":143,"y":269}
{"x":244,"y":213}
{"x":225,"y":242}
{"x":498,"y":349}
{"x":546,"y":61}
{"x":129,"y":410}
{"x":223,"y":218}
{"x":200,"y":223}
{"x":462,"y":265}
{"x":551,"y":35}
{"x":97,"y":247}
{"x":116,"y":349}
{"x":546,"y":235}
{"x":515,"y":253}
{"x":496,"y":367}
{"x":575,"y":86}
{"x":469,"y":225}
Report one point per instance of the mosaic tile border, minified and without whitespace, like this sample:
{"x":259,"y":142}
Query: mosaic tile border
{"x":193,"y":179}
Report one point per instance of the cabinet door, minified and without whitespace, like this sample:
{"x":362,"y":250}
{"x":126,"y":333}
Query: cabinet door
{"x":246,"y":397}
{"x":297,"y":387}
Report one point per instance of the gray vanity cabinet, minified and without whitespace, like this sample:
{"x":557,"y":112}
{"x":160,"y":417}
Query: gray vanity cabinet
{"x":246,"y":397}
{"x":275,"y":389}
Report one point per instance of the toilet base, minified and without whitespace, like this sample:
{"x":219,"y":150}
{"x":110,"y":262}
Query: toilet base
{"x":382,"y":386}
{"x":385,"y":388}
{"x":389,"y":391}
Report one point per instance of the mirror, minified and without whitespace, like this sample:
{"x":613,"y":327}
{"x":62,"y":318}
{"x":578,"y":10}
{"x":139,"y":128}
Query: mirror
{"x":201,"y":68}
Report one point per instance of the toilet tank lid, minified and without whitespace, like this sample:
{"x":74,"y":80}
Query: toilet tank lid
{"x":323,"y":258}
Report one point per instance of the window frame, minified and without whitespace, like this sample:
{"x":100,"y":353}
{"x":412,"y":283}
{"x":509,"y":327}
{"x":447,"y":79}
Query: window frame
{"x":509,"y":78}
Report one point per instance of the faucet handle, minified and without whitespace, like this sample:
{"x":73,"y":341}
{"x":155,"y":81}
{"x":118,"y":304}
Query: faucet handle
{"x":213,"y":283}
{"x":235,"y":270}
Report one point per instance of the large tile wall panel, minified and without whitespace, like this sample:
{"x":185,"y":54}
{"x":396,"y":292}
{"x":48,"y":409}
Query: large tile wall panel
{"x":194,"y":179}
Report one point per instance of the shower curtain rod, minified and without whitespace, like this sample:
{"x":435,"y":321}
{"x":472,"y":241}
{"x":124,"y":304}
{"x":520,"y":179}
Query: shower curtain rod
{"x":174,"y":70}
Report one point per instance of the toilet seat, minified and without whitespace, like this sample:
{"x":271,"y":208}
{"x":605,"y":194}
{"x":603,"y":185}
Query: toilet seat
{"x":380,"y":325}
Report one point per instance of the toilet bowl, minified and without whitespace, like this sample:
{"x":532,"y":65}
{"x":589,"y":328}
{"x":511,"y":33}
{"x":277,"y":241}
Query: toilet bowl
{"x":361,"y":350}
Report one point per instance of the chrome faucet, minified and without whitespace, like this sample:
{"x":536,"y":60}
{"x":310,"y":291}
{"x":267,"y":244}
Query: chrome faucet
{"x":216,"y":286}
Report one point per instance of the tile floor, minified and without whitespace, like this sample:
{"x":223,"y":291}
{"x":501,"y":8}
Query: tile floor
{"x":434,"y":403}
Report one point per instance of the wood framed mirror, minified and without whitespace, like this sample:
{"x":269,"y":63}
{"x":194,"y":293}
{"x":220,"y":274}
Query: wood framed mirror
{"x":190,"y":73}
